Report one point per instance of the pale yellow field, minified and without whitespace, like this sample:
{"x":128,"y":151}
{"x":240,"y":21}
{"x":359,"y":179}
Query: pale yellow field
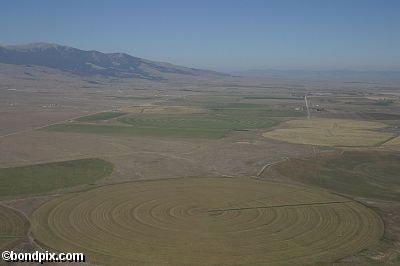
{"x":206,"y":221}
{"x":330,"y":132}
{"x":395,"y":141}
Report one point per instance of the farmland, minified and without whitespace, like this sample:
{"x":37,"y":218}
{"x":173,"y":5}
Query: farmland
{"x":189,"y":175}
{"x":394,"y":141}
{"x":100,"y":116}
{"x":365,"y":174}
{"x":331,"y":132}
{"x":200,"y":133}
{"x":217,"y":122}
{"x":184,"y":221}
{"x":42,"y":178}
{"x":13,"y":227}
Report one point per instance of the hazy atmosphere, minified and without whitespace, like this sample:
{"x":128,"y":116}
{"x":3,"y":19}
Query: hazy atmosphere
{"x":220,"y":35}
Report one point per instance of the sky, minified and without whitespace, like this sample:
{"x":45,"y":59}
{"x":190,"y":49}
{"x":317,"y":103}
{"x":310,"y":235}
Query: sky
{"x":236,"y":35}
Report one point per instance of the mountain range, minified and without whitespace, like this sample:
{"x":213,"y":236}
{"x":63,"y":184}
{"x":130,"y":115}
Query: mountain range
{"x":94,"y":63}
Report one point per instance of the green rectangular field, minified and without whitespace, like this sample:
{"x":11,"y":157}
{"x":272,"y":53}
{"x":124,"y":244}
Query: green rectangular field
{"x":42,"y":178}
{"x":220,"y":119}
{"x":100,"y":116}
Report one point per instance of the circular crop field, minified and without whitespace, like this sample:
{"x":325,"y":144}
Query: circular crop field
{"x":331,"y":132}
{"x":13,"y":227}
{"x":206,"y":221}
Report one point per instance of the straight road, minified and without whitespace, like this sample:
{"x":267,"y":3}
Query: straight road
{"x":308,"y":108}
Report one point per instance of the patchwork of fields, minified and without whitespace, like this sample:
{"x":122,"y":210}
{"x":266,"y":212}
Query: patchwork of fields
{"x":233,"y":187}
{"x":215,"y":122}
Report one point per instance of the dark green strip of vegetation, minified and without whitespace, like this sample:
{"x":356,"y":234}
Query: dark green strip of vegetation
{"x":384,"y":102}
{"x":272,"y":98}
{"x":135,"y":97}
{"x":42,"y":178}
{"x":100,"y":116}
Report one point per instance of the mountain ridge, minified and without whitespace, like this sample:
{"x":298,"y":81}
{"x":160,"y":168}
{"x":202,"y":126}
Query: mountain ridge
{"x":92,"y":62}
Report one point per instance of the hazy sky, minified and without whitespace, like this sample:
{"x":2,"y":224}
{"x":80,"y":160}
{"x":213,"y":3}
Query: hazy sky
{"x":221,"y":35}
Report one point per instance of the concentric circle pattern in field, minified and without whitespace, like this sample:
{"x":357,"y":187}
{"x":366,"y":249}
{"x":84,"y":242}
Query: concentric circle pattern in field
{"x":206,"y":221}
{"x":13,"y":227}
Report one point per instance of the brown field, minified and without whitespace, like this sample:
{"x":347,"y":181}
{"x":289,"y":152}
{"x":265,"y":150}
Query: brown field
{"x":185,"y":221}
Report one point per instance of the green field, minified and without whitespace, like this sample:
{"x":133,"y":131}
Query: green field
{"x":331,"y":132}
{"x":251,"y":110}
{"x":367,"y":174}
{"x":215,"y":122}
{"x":197,"y":124}
{"x":100,"y":116}
{"x":384,"y":102}
{"x":42,"y":178}
{"x":13,"y":227}
{"x":206,"y":221}
{"x":274,"y":98}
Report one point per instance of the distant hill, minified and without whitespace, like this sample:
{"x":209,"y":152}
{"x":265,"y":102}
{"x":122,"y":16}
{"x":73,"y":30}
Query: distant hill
{"x":89,"y":63}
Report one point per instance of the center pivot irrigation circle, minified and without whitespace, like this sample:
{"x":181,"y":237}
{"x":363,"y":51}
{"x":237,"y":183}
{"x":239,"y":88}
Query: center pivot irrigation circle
{"x":206,"y":221}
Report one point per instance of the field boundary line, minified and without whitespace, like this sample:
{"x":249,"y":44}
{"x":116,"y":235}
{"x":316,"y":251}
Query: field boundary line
{"x":282,"y":206}
{"x":51,"y":124}
{"x":28,"y":234}
{"x":389,"y":139}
